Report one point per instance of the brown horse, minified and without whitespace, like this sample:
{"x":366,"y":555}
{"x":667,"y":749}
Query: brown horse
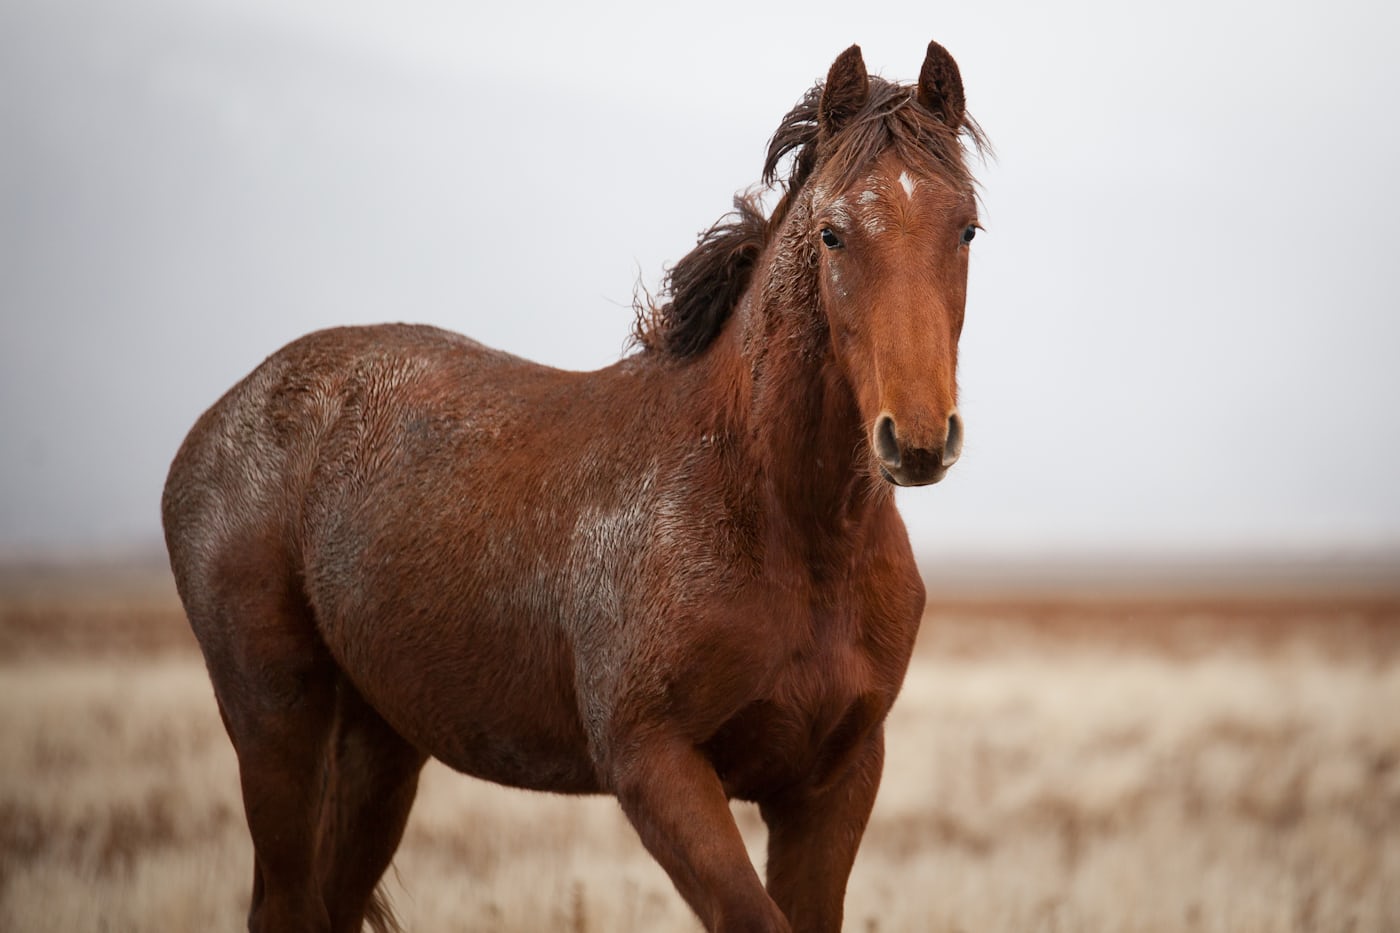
{"x":679,"y":580}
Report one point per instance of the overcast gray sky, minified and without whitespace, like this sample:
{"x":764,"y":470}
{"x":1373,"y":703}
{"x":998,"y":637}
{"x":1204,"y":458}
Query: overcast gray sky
{"x":1182,"y":329}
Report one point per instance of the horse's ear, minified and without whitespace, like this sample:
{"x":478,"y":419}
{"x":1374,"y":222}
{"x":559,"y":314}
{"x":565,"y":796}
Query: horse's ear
{"x":941,"y":88}
{"x":847,"y":85}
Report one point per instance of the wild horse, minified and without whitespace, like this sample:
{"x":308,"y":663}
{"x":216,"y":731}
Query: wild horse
{"x":678,"y":580}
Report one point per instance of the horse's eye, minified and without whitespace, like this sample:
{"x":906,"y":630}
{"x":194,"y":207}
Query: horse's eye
{"x":831,"y":240}
{"x":969,"y":233}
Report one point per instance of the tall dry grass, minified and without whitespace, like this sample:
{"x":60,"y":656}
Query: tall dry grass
{"x":1041,"y":776}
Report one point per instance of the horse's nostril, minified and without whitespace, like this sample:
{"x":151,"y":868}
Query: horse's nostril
{"x":886,"y":446}
{"x":952,"y":447}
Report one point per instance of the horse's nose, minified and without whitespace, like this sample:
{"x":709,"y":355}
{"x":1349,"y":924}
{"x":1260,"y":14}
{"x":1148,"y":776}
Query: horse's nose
{"x":909,"y":464}
{"x":952,"y":445}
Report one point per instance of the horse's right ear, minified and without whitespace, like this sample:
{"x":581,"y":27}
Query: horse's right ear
{"x":847,"y":85}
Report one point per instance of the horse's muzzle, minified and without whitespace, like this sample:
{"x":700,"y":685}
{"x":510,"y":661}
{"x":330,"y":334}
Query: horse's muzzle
{"x":908,"y":464}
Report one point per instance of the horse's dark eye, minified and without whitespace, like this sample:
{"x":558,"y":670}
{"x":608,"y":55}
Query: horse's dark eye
{"x":969,"y":233}
{"x":831,"y":240}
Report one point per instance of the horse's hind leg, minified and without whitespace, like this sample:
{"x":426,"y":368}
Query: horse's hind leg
{"x":373,"y":777}
{"x":275,"y":684}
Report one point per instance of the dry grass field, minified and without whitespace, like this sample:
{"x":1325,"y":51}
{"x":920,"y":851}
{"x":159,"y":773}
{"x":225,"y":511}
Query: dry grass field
{"x":1132,"y":763}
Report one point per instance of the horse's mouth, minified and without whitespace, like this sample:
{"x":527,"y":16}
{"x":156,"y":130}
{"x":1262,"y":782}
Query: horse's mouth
{"x":904,"y":479}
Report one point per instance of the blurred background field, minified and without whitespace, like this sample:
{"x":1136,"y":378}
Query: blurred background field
{"x":1106,"y":757}
{"x":1178,"y":375}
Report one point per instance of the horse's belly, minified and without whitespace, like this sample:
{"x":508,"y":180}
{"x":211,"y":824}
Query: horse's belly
{"x":532,"y":762}
{"x":513,"y":741}
{"x":487,"y":699}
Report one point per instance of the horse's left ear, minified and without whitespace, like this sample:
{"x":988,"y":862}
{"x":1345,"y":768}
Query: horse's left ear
{"x":844,"y":93}
{"x":941,"y":88}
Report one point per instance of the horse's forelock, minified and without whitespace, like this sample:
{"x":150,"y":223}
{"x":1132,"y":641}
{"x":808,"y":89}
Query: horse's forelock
{"x":891,"y":117}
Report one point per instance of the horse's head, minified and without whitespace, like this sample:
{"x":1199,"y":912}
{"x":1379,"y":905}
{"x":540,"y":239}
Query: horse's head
{"x":891,"y":216}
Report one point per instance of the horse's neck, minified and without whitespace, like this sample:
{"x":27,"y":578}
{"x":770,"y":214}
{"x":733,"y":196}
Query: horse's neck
{"x":800,"y":423}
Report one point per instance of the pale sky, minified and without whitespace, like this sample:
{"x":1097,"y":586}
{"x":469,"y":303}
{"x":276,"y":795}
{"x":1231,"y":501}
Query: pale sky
{"x":1184,"y":313}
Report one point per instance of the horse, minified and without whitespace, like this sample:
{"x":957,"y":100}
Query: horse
{"x":679,"y":580}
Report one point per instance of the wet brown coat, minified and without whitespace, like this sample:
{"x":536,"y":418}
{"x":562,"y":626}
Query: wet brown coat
{"x":677,"y":580}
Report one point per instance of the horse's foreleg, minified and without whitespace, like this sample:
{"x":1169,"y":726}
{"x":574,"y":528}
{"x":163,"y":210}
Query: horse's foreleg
{"x":674,"y":799}
{"x":813,"y":834}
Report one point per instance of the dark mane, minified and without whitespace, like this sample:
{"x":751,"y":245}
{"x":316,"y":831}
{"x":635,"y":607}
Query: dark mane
{"x":700,"y":291}
{"x":705,"y":285}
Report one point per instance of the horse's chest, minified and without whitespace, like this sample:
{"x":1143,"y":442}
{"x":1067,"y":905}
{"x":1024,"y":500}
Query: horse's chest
{"x":804,"y":727}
